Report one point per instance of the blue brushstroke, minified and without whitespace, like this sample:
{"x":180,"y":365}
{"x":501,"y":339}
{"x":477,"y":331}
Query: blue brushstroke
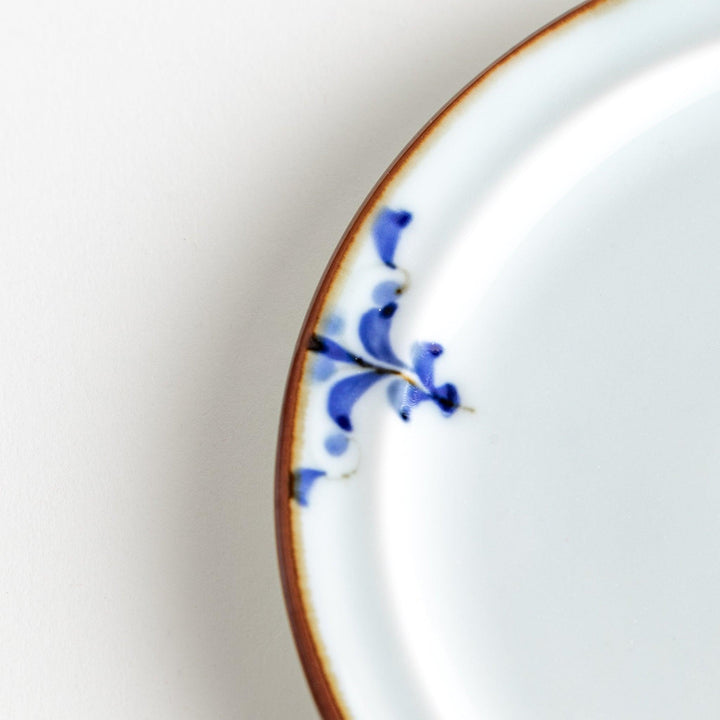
{"x":331,"y":349}
{"x":385,"y":292}
{"x":386,"y":232}
{"x":323,"y":368}
{"x":404,"y":396}
{"x":303,"y":480}
{"x":334,"y":324}
{"x":424,"y":356}
{"x":374,"y":332}
{"x":447,"y":398}
{"x":345,"y":393}
{"x":336,"y":444}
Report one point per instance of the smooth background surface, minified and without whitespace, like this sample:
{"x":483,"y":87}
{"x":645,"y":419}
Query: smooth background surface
{"x":173,"y":179}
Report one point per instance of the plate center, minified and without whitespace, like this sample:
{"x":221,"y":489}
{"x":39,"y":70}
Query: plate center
{"x":554,"y":552}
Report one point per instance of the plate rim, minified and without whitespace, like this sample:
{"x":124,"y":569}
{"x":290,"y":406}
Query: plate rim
{"x":318,"y":674}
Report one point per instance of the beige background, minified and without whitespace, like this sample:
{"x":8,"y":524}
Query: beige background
{"x":173,"y":179}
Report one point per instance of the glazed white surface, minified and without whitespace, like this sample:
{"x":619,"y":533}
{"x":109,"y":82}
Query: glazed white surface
{"x":550,"y":554}
{"x":173,"y":178}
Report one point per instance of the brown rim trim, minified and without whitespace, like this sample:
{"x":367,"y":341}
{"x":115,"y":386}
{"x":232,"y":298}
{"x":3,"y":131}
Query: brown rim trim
{"x":322,"y":685}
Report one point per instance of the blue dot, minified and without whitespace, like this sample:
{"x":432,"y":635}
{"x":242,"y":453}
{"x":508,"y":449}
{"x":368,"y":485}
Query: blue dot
{"x":336,"y":444}
{"x":334,"y":324}
{"x":323,"y":368}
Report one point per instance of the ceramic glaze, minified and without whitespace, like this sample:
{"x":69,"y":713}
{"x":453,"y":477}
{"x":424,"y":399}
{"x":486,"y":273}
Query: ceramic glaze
{"x":539,"y":540}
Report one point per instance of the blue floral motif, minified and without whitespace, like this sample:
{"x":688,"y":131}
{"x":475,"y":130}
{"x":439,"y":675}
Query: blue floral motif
{"x":410,"y":384}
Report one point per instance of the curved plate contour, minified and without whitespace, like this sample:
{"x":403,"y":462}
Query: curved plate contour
{"x":496,"y":491}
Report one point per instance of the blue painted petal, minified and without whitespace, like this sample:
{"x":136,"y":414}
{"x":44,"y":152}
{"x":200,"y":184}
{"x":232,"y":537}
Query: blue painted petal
{"x":303,"y":480}
{"x":345,"y":393}
{"x":336,"y":444}
{"x":424,"y":356}
{"x":331,"y":349}
{"x":385,"y":292}
{"x":404,"y":397}
{"x":447,"y":398}
{"x":374,"y":331}
{"x":386,"y":232}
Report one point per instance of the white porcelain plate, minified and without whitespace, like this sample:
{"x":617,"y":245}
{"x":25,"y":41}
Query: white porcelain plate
{"x":498,"y":487}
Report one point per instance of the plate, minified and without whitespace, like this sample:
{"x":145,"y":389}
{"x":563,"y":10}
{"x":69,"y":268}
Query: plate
{"x":498,"y":481}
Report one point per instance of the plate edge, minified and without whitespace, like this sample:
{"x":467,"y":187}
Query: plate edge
{"x":319,"y":677}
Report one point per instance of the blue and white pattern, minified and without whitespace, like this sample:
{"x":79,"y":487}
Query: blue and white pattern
{"x":408,"y":384}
